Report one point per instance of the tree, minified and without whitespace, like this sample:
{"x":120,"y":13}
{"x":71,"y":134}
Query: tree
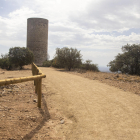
{"x":20,"y":56}
{"x":68,"y":57}
{"x":128,"y":61}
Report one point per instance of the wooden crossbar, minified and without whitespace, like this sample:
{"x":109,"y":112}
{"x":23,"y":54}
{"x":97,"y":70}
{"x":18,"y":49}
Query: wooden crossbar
{"x":37,"y":77}
{"x":20,"y":80}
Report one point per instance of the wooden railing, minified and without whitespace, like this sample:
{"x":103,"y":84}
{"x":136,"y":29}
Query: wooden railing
{"x":37,"y":77}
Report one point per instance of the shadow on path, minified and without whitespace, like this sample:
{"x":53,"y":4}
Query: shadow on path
{"x":62,"y":70}
{"x":46,"y":117}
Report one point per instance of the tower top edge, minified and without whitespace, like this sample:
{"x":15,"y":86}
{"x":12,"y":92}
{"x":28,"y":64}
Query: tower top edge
{"x":36,"y":18}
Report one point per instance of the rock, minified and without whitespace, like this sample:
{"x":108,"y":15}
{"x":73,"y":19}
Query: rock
{"x":35,"y":100}
{"x":106,"y":78}
{"x":62,"y":121}
{"x":9,"y":90}
{"x":11,"y":139}
{"x":3,"y":94}
{"x":2,"y":73}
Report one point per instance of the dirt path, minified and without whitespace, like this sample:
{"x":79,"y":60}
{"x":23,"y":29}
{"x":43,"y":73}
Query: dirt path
{"x":93,"y":110}
{"x":73,"y":107}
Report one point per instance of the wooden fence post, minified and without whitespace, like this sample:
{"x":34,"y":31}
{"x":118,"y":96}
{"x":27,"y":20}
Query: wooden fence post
{"x":34,"y":73}
{"x":39,"y":90}
{"x":33,"y":69}
{"x":36,"y":82}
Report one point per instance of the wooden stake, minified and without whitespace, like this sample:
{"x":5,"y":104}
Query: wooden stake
{"x":39,"y":85}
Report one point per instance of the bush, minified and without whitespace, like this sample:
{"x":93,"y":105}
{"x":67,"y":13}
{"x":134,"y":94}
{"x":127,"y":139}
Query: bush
{"x":56,"y":63}
{"x":88,"y":66}
{"x":20,"y":56}
{"x":5,"y":63}
{"x":47,"y":63}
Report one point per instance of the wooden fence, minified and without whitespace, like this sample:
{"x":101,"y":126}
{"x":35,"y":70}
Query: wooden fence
{"x":37,"y":77}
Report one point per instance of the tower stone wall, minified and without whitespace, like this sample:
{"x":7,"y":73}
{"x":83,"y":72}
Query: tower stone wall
{"x":37,"y":38}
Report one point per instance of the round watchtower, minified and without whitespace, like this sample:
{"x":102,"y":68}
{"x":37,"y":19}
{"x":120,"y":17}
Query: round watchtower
{"x":37,"y":38}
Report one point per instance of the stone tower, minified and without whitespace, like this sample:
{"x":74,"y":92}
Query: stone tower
{"x":37,"y":38}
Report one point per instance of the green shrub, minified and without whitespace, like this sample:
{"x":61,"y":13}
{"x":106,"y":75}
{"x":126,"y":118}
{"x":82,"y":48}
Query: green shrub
{"x":5,"y":63}
{"x":94,"y":67}
{"x":56,"y":64}
{"x":20,"y":56}
{"x":88,"y":66}
{"x":46,"y":64}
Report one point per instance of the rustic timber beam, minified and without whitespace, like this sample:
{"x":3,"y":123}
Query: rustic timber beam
{"x":19,"y":80}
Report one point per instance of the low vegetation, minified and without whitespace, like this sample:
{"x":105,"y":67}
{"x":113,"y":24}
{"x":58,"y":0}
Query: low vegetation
{"x":17,"y":57}
{"x":70,"y":58}
{"x":4,"y":62}
{"x":88,"y":66}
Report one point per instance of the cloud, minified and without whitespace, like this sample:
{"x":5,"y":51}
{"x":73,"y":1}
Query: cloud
{"x":108,"y":15}
{"x":99,"y":57}
{"x":86,"y":40}
{"x":98,"y":28}
{"x":14,"y":27}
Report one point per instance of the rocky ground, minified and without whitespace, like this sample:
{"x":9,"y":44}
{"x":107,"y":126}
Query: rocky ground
{"x":20,"y":118}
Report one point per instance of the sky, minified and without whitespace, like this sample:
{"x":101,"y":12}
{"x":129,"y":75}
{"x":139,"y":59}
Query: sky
{"x":99,"y":28}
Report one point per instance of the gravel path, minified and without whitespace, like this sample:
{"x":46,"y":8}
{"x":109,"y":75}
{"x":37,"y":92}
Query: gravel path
{"x":97,"y":111}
